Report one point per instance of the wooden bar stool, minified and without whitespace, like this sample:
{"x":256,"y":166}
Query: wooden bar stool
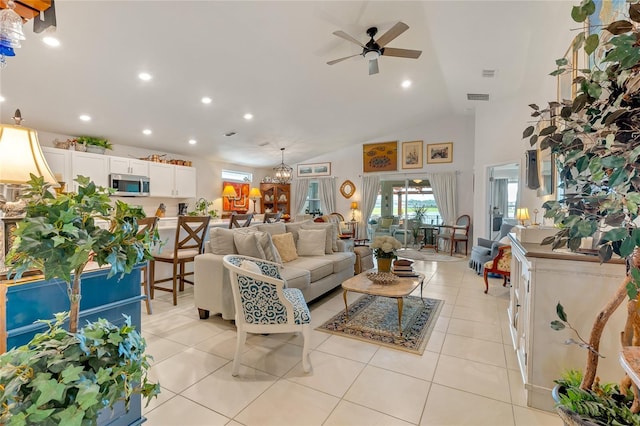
{"x":147,"y":224}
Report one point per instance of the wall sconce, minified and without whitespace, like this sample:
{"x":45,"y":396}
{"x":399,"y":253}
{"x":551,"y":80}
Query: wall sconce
{"x":254,"y":195}
{"x":522,"y":214}
{"x":354,"y":207}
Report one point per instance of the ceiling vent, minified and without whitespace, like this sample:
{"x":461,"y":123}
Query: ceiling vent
{"x":488,"y":73}
{"x":477,"y":96}
{"x":263,"y":144}
{"x":230,"y":134}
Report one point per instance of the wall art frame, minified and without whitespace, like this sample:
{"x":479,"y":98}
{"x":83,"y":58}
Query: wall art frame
{"x":438,"y":153}
{"x":314,"y":169}
{"x":380,"y":157}
{"x":239,"y":204}
{"x":411,"y":155}
{"x":347,"y":189}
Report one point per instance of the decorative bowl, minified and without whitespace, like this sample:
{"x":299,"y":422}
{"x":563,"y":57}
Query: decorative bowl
{"x":382,"y":277}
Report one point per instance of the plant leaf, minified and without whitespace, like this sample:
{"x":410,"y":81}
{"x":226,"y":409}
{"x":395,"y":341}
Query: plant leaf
{"x":591,"y":43}
{"x":557,"y":325}
{"x":560,"y":311}
{"x":634,"y":12}
{"x":528,"y":132}
{"x":619,"y":27}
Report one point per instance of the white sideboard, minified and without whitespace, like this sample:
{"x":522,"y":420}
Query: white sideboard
{"x":540,"y":278}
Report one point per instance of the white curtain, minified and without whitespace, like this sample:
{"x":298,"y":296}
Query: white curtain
{"x":327,"y":193}
{"x":300,"y":191}
{"x":445,"y":193}
{"x":501,"y":196}
{"x":370,"y":191}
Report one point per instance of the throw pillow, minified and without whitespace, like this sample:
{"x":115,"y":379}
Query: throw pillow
{"x":264,"y":239}
{"x":272,"y":228}
{"x":285,"y":246}
{"x":294,"y":227}
{"x":386,"y":222}
{"x":311,"y":242}
{"x":505,"y":240}
{"x":250,"y":266}
{"x":331,"y":243}
{"x":247,"y":245}
{"x":221,"y":241}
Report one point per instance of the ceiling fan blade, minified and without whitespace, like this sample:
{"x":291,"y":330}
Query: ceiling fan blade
{"x":373,"y":67}
{"x":394,"y":32}
{"x":335,"y":61}
{"x":401,"y":53}
{"x":346,"y":36}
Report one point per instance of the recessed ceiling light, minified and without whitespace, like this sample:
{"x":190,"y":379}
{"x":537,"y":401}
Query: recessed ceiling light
{"x":406,"y":84}
{"x":85,"y":117}
{"x":248,"y":116}
{"x":2,"y":99}
{"x":147,"y":131}
{"x":206,"y":100}
{"x":144,"y":76}
{"x":192,"y":141}
{"x":51,"y":41}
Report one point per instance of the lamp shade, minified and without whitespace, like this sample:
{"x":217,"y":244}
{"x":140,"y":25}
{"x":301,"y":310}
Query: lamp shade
{"x":229,"y":192}
{"x":254,"y":194}
{"x":20,"y":155}
{"x":354,"y":205}
{"x":522,"y":214}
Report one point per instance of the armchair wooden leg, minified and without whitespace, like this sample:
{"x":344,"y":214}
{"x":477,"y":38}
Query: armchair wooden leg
{"x":486,"y":281}
{"x":241,"y":338}
{"x":306,"y":335}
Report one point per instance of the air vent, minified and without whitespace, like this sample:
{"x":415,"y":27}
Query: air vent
{"x":230,"y":134}
{"x":488,"y":73}
{"x":263,"y":144}
{"x":477,"y":96}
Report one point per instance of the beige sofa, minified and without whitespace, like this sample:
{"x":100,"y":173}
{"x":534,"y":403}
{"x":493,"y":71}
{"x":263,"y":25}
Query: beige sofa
{"x":314,"y":274}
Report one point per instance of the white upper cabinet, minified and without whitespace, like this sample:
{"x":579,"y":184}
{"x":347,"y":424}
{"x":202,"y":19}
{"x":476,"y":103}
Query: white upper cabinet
{"x":94,"y":166}
{"x":167,"y":180}
{"x":128,"y":166}
{"x":59,"y":161}
{"x":185,"y":182}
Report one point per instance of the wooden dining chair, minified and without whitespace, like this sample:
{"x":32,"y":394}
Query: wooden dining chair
{"x":500,"y":265}
{"x":272,"y":217}
{"x":240,"y":220}
{"x":453,"y":234}
{"x":147,"y":224}
{"x":189,"y":242}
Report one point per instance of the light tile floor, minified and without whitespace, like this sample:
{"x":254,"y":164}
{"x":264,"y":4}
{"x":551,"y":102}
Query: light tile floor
{"x":468,"y":374}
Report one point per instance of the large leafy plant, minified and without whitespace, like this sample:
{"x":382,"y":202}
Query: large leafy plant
{"x":596,"y":140}
{"x":65,"y":378}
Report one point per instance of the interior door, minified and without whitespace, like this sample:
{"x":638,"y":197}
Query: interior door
{"x":502,"y":195}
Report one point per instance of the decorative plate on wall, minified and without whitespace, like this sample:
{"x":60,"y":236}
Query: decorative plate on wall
{"x":347,"y":189}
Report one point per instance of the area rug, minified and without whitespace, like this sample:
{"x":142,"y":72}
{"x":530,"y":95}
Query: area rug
{"x":374,"y":319}
{"x":428,"y":254}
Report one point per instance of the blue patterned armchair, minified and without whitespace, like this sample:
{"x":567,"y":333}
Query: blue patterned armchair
{"x":264,"y":305}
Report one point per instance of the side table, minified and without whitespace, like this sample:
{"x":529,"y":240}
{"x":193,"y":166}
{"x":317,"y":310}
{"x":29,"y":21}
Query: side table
{"x":429,"y":236}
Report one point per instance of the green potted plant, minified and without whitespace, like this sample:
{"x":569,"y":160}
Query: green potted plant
{"x":94,"y":144}
{"x":60,"y":235}
{"x":202,"y":209}
{"x":595,"y":142}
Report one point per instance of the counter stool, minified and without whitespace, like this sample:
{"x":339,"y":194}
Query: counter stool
{"x":147,"y":224}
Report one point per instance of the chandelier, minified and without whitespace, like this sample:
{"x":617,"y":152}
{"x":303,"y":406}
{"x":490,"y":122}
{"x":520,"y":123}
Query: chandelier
{"x":10,"y":32}
{"x":283,"y":171}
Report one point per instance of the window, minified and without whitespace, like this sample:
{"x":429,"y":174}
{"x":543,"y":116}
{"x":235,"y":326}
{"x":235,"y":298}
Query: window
{"x":391,"y":201}
{"x":312,"y":205}
{"x":236,"y":175}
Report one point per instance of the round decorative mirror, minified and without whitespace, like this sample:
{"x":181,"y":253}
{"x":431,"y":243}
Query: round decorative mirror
{"x":347,"y":189}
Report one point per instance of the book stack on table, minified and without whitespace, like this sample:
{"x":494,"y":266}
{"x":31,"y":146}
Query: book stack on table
{"x":403,"y":268}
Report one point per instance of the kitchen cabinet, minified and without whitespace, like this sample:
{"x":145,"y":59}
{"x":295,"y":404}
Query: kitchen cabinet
{"x":172,"y":181}
{"x":128,"y":166}
{"x":540,"y":278}
{"x":93,"y":166}
{"x":59,"y":161}
{"x":276,"y":197}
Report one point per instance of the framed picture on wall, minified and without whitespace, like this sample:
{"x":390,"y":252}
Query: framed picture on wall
{"x":439,"y":153}
{"x":380,"y":157}
{"x":412,"y":155}
{"x":239,"y":203}
{"x":315,"y":169}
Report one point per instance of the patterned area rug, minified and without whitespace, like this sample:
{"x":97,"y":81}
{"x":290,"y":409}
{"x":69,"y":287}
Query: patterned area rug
{"x":375,"y":319}
{"x":428,"y":254}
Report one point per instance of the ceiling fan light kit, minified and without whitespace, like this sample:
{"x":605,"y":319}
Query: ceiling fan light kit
{"x":374,"y":49}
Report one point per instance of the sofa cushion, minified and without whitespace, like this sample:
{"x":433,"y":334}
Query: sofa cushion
{"x":285,"y":246}
{"x":294,"y":227}
{"x":318,"y":266}
{"x":247,"y":245}
{"x":295,"y":277}
{"x":221,"y":241}
{"x":341,"y":260}
{"x":272,"y":228}
{"x":331,"y":243}
{"x":311,"y":242}
{"x":264,"y":240}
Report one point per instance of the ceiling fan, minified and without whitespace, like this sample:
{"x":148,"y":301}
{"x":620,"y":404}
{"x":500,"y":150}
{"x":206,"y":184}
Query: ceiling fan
{"x":376,"y":48}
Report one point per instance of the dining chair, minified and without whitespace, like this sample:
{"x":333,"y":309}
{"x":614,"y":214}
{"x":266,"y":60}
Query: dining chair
{"x":240,"y":220}
{"x":147,"y":224}
{"x":500,"y":265}
{"x":272,"y":217}
{"x":264,"y":305}
{"x":453,"y":234}
{"x":189,"y":242}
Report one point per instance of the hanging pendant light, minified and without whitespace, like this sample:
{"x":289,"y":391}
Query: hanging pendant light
{"x":10,"y":32}
{"x":283,"y":171}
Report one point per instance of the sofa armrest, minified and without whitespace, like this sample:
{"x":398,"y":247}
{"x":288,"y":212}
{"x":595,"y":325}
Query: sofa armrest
{"x":485,"y":242}
{"x":342,"y":246}
{"x":495,"y":248}
{"x":212,"y":289}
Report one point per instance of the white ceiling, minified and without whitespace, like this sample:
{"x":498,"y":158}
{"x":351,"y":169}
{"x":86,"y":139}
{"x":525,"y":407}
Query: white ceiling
{"x":268,"y":58}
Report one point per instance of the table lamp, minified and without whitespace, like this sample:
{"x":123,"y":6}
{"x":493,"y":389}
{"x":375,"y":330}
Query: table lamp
{"x":522,"y":214}
{"x":254,"y":195}
{"x":230,"y":194}
{"x":354,"y":207}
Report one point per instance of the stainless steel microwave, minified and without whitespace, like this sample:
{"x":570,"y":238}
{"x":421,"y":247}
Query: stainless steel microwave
{"x":129,"y":185}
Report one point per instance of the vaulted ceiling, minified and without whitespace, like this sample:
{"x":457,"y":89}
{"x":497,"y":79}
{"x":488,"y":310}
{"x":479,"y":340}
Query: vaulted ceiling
{"x":269,"y":59}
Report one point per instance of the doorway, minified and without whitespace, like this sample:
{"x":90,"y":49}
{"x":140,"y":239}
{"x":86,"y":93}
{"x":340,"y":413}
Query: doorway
{"x":502,"y":196}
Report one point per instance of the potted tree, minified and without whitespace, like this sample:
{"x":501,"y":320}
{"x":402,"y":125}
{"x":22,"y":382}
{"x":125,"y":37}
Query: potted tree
{"x":595,"y":140}
{"x":60,"y":235}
